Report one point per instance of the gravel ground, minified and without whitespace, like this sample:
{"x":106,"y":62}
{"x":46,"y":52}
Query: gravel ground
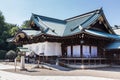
{"x":103,"y":73}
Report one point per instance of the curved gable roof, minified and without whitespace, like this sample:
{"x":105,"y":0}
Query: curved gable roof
{"x":50,"y":25}
{"x":78,"y":23}
{"x":69,"y":26}
{"x":83,"y":21}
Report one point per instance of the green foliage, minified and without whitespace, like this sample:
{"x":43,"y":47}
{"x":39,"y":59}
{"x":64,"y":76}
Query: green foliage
{"x":11,"y":55}
{"x":13,"y":29}
{"x":7,"y":30}
{"x":2,"y":54}
{"x":26,"y":24}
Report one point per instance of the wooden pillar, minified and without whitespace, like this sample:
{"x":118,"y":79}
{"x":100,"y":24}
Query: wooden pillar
{"x":90,"y":50}
{"x":71,"y":50}
{"x":103,"y":54}
{"x":82,"y":61}
{"x":68,"y":61}
{"x":46,"y":57}
{"x":89,"y":61}
{"x":95,"y":61}
{"x":90,"y":55}
{"x":100,"y":60}
{"x":43,"y":59}
{"x":74,"y":61}
{"x":66,"y":51}
{"x":82,"y":54}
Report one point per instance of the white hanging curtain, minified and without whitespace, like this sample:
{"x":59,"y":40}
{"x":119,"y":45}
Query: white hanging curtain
{"x":58,"y":49}
{"x":33,"y":48}
{"x":39,"y":48}
{"x":93,"y":51}
{"x":86,"y":51}
{"x":46,"y":48}
{"x":49,"y":49}
{"x":76,"y":51}
{"x":69,"y":51}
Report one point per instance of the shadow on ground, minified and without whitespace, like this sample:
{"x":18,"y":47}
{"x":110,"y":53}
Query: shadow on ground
{"x":113,"y":69}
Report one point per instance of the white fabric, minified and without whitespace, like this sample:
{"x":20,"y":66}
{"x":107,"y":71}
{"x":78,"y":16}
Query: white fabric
{"x":52,"y":49}
{"x":48,"y":48}
{"x":58,"y":51}
{"x":41,"y":48}
{"x":93,"y":51}
{"x":33,"y":47}
{"x":69,"y":51}
{"x":86,"y":51}
{"x":76,"y":51}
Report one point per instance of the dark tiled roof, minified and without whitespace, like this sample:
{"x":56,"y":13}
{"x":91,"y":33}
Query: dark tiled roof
{"x":103,"y":34}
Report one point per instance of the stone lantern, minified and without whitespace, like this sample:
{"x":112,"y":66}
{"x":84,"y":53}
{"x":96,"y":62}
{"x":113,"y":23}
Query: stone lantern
{"x":22,"y":61}
{"x":22,"y":53}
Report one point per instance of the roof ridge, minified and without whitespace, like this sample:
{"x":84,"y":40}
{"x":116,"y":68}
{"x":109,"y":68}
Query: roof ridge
{"x":100,"y":9}
{"x":47,"y":17}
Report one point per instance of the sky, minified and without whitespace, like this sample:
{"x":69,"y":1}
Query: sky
{"x":17,"y":11}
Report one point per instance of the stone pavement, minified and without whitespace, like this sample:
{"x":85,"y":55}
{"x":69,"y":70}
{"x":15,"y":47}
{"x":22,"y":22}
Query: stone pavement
{"x":14,"y":76}
{"x":55,"y":67}
{"x":2,"y":66}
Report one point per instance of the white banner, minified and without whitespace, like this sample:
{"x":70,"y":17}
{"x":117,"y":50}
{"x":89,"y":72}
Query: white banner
{"x":46,"y":48}
{"x":58,"y":51}
{"x":76,"y":51}
{"x":86,"y":51}
{"x":49,"y":49}
{"x":41,"y":48}
{"x":52,"y":49}
{"x":93,"y":51}
{"x":69,"y":51}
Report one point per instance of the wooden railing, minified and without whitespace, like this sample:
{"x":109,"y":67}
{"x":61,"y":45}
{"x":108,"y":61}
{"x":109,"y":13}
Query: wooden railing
{"x":87,"y":61}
